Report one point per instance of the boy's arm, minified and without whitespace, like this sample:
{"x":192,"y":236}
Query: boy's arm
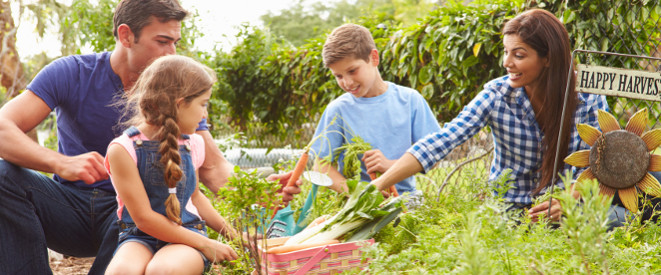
{"x":339,"y":181}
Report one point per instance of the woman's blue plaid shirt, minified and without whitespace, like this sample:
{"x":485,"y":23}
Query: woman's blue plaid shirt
{"x":516,"y":134}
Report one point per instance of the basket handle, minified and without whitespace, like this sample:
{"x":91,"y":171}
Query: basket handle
{"x":315,"y":259}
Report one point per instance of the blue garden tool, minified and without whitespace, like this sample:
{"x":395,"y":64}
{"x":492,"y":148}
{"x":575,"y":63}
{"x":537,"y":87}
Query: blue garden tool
{"x":283,"y":223}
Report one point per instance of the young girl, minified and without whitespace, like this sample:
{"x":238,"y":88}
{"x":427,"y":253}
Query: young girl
{"x":523,"y":110}
{"x":153,"y":166}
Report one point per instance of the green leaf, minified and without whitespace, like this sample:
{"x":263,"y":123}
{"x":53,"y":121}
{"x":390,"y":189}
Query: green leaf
{"x":428,"y":91}
{"x":476,"y":49}
{"x":425,"y":74}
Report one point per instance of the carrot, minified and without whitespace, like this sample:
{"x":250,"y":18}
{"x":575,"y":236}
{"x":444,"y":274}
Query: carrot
{"x":295,"y":247}
{"x":298,"y":170}
{"x":392,"y":189}
{"x":296,"y":174}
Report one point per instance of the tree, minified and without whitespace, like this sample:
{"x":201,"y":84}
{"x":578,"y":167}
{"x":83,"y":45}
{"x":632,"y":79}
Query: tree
{"x":11,"y":71}
{"x":301,"y":21}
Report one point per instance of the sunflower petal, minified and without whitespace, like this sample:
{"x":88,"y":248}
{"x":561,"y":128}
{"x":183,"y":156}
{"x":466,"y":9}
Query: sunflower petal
{"x":655,"y":163}
{"x":585,"y":175}
{"x":652,"y":139}
{"x":606,"y":191}
{"x":607,"y":122}
{"x":579,"y":158}
{"x":629,"y":197}
{"x":650,"y":185}
{"x":638,"y":122}
{"x":588,"y":133}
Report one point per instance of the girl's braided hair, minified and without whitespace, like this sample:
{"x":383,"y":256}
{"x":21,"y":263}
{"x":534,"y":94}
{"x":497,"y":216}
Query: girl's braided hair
{"x":153,"y":99}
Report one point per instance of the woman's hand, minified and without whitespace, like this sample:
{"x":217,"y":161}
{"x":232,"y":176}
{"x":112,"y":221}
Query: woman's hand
{"x":216,"y":251}
{"x":543,"y":209}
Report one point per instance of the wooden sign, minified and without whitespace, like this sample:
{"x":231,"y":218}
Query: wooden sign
{"x":619,"y":82}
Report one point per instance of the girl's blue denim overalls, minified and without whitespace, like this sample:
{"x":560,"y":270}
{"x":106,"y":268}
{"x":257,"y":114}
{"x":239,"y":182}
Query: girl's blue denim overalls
{"x":151,"y":173}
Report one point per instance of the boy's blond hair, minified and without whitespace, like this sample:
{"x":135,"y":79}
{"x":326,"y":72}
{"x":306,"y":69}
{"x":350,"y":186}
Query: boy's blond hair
{"x":348,"y":40}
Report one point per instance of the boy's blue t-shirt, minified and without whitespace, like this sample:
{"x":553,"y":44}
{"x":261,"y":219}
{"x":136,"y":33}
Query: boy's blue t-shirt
{"x":82,"y":90}
{"x":390,"y":122}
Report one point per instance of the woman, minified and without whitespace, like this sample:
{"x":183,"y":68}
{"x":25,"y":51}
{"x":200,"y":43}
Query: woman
{"x":522,"y":109}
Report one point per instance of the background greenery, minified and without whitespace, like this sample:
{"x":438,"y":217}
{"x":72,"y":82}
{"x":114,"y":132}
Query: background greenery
{"x":273,"y":87}
{"x":447,"y":55}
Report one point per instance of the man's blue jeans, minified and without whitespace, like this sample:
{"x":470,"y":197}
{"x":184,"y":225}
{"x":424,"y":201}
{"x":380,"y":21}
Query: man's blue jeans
{"x":36,"y":212}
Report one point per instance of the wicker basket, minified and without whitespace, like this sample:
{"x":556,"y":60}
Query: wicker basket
{"x":328,"y":259}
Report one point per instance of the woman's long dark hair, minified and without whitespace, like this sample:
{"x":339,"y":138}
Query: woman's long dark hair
{"x":542,"y":31}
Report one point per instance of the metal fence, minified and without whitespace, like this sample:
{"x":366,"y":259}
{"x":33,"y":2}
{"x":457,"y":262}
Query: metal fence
{"x":635,"y":32}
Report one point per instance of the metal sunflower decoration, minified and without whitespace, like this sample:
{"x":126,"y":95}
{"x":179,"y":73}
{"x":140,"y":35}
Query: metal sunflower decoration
{"x":620,"y":159}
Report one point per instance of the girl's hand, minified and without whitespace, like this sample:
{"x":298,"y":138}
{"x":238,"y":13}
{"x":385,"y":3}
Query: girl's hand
{"x":216,"y":251}
{"x":375,"y":161}
{"x":543,"y":209}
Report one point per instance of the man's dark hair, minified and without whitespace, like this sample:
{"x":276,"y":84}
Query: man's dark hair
{"x":136,"y":13}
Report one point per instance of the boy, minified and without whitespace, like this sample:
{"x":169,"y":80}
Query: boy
{"x":387,"y":116}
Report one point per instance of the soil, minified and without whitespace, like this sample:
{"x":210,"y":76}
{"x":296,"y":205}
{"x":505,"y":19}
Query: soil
{"x":71,"y":265}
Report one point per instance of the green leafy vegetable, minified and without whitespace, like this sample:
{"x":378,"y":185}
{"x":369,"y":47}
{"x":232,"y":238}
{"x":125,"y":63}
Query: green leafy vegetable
{"x":363,"y":213}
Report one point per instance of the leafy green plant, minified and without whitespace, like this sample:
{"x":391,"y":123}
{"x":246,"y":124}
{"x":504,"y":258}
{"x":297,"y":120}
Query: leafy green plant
{"x":246,"y":201}
{"x":585,"y":223}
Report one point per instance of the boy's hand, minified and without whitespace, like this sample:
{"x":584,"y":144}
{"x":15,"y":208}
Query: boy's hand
{"x":375,"y":161}
{"x":287,"y":192}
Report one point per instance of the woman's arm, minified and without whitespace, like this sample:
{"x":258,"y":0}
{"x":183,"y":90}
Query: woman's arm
{"x":403,"y":168}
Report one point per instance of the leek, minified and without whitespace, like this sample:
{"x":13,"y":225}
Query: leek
{"x":365,"y":207}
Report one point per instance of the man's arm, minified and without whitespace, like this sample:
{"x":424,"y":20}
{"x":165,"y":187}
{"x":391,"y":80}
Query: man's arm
{"x":21,"y":115}
{"x":215,"y":170}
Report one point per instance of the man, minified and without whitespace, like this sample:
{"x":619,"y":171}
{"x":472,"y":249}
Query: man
{"x":74,"y":213}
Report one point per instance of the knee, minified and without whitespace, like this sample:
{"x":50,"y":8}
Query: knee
{"x":124,"y":270}
{"x":9,"y":173}
{"x":15,"y":177}
{"x":172,"y":267}
{"x":7,"y":168}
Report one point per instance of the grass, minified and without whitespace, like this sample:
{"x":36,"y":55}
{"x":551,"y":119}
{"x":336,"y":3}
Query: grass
{"x":465,"y":230}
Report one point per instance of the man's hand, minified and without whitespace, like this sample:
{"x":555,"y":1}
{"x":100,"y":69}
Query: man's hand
{"x":375,"y":161}
{"x":287,"y":192}
{"x":87,"y":167}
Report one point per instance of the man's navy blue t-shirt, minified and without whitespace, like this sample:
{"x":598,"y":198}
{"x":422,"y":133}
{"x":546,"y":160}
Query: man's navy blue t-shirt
{"x":83,"y":90}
